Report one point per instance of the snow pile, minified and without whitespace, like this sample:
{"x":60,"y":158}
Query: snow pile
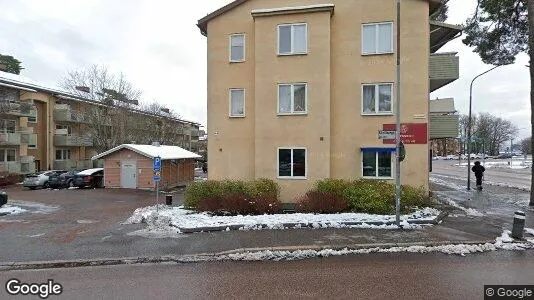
{"x":507,"y":243}
{"x":458,"y":249}
{"x":11,"y":210}
{"x":434,"y":179}
{"x":181,"y":218}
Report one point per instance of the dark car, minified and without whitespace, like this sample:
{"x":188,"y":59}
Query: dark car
{"x":504,"y":156}
{"x":63,"y":180}
{"x":3,"y":197}
{"x":90,"y":178}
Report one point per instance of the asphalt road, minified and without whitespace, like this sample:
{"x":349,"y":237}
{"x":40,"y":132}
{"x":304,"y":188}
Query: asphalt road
{"x":499,"y":175}
{"x":366,"y":276}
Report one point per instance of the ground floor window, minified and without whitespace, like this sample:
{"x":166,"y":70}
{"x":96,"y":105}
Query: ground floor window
{"x":8,"y":155}
{"x":292,"y":162}
{"x":8,"y":126}
{"x":62,"y":154}
{"x":376,"y":162}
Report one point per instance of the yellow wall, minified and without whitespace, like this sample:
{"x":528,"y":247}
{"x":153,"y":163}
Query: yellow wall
{"x":334,"y":69}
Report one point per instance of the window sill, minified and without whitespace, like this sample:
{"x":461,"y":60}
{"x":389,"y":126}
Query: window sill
{"x":293,"y":54}
{"x":237,"y":61}
{"x":292,"y":178}
{"x":378,"y":178}
{"x":378,"y":114}
{"x":380,"y":53}
{"x":236,"y":117}
{"x":293,"y":114}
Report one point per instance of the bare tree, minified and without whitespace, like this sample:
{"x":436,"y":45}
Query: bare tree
{"x":526,"y":147}
{"x":490,"y":132}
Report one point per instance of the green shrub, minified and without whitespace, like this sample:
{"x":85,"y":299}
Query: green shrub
{"x":196,"y":191}
{"x":234,"y":197}
{"x":414,"y":197}
{"x":370,"y":196}
{"x":334,"y":186}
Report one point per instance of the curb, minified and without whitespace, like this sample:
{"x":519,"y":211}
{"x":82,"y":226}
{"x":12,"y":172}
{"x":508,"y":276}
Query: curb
{"x":437,"y":220}
{"x":205,"y":257}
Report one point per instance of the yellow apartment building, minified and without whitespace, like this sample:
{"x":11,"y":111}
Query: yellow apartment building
{"x":44,"y":128}
{"x":298,"y":89}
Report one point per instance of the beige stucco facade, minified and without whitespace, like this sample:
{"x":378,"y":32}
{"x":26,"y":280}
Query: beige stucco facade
{"x":333,"y":130}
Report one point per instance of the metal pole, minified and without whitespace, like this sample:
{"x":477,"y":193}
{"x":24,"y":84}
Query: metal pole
{"x":511,"y":152}
{"x":483,"y":153}
{"x":157,"y":196}
{"x":469,"y":127}
{"x":397,"y":133}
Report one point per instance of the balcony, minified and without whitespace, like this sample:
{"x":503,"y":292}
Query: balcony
{"x":65,"y":114}
{"x":444,"y":68}
{"x":63,"y":140}
{"x":444,"y":126}
{"x":18,"y":109}
{"x":72,"y":164}
{"x":10,"y":139}
{"x":10,"y":167}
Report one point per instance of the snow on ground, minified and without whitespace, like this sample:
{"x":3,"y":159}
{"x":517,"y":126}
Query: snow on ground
{"x":35,"y":207}
{"x":516,"y":164}
{"x":176,"y":218}
{"x":437,"y":179}
{"x":11,"y":210}
{"x":468,"y":211}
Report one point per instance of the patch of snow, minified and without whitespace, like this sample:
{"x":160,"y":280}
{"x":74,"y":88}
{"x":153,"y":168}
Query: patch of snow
{"x":37,"y":235}
{"x":86,"y":221}
{"x":11,"y":210}
{"x":35,"y":207}
{"x":529,"y":231}
{"x":507,"y":243}
{"x":172,"y":218}
{"x":468,"y":211}
{"x":73,"y":188}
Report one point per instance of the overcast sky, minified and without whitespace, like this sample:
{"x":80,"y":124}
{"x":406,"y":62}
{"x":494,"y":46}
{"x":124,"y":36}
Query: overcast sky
{"x":157,"y":45}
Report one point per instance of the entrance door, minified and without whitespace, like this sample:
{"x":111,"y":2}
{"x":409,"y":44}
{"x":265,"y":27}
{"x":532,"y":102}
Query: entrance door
{"x":128,"y":175}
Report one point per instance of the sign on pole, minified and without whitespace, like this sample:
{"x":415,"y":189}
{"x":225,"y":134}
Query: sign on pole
{"x":386,"y":134}
{"x":157,"y":164}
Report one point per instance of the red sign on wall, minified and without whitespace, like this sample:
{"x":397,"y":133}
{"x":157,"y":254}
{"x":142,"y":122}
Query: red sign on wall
{"x":411,"y":133}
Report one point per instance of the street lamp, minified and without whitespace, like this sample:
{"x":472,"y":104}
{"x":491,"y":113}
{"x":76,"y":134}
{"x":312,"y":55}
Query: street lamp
{"x":469,"y":127}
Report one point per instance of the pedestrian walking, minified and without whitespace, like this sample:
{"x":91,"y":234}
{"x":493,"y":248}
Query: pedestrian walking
{"x":478,"y":169}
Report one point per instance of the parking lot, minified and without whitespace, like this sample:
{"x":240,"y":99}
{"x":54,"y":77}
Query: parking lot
{"x":58,"y":223}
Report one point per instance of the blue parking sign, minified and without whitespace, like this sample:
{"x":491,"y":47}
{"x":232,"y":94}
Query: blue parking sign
{"x":157,"y":163}
{"x":156,"y":178}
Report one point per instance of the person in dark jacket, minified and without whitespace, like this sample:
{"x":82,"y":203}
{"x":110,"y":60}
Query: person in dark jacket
{"x":479,"y":173}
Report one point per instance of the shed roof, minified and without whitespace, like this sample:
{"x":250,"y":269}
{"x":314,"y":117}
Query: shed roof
{"x":165,"y":152}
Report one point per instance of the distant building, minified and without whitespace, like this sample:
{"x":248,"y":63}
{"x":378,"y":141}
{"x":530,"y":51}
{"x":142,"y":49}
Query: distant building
{"x":44,"y":128}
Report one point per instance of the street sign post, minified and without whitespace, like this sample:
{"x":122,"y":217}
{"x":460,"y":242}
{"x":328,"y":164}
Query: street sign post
{"x":157,"y":178}
{"x":387,"y":134}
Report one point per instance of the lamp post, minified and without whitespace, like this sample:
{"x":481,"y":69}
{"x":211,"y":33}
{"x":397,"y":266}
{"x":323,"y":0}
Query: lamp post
{"x":397,"y":133}
{"x":469,"y":126}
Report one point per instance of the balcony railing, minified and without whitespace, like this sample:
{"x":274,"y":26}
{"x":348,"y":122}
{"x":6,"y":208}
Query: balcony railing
{"x":10,"y":139}
{"x":19,"y":109}
{"x":72,"y":164}
{"x":444,"y":126}
{"x":63,"y":114}
{"x":444,"y":68}
{"x":61,"y":140}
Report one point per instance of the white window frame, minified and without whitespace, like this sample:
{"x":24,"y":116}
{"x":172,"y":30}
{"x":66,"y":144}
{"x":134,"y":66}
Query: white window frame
{"x":230,"y":48}
{"x":292,"y":112}
{"x":377,"y":34}
{"x":377,"y":99}
{"x":64,"y":126}
{"x":36,"y":117}
{"x":33,"y":147}
{"x":376,"y":166}
{"x":63,"y":154}
{"x":292,"y":40}
{"x":305,"y":162}
{"x":4,"y":158}
{"x":230,"y":102}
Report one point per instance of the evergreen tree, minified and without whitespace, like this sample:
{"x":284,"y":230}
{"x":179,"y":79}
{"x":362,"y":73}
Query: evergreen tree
{"x":10,"y":64}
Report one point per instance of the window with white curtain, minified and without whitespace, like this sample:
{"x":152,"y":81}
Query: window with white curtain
{"x":377,"y":38}
{"x":292,"y":98}
{"x":237,"y":47}
{"x":292,"y":39}
{"x":237,"y":102}
{"x":377,"y":99}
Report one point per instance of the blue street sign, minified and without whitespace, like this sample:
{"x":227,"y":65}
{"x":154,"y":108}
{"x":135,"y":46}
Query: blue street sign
{"x":157,"y":163}
{"x":156,"y":178}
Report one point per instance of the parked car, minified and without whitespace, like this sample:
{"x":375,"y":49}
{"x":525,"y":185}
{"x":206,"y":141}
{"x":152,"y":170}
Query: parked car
{"x":64,"y":180}
{"x":504,"y":156}
{"x":3,"y":197}
{"x":40,"y":179}
{"x":89,"y":178}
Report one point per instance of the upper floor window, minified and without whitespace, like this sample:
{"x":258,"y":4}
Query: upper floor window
{"x":33,"y":117}
{"x":8,"y":126}
{"x":62,"y":154}
{"x":292,"y":98}
{"x":237,"y":47}
{"x":237,"y":102}
{"x":376,"y":99}
{"x":63,"y":129}
{"x":292,"y":163}
{"x":292,"y":39}
{"x":377,"y":38}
